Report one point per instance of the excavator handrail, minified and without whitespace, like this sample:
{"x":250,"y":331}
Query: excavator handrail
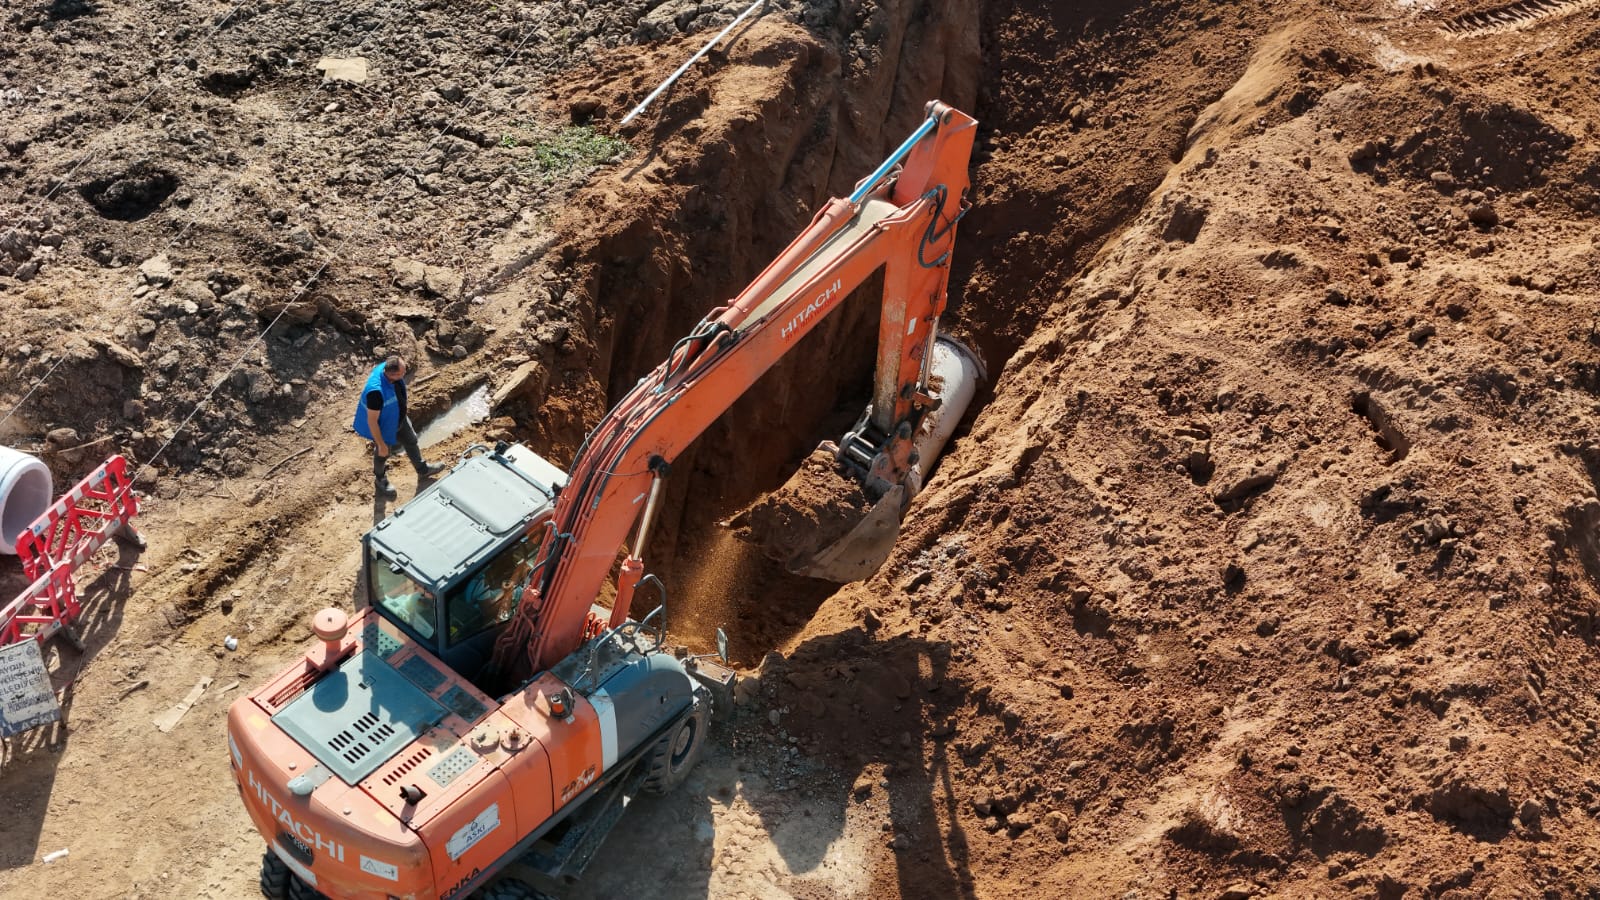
{"x":600,"y":639}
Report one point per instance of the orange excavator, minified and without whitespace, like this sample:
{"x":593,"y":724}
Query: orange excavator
{"x":481,"y":723}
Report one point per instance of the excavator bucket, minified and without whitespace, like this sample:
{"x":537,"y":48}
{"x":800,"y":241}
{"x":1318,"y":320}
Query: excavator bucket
{"x":822,"y":524}
{"x":812,"y":517}
{"x":864,"y":548}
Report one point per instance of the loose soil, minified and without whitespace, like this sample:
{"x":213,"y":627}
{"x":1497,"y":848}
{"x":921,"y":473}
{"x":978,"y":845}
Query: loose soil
{"x":1267,"y":566}
{"x":811,"y":511}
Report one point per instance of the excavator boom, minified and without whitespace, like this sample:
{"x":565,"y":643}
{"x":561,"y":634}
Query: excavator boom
{"x":903,"y":222}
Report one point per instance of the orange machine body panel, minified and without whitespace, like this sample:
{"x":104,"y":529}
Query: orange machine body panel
{"x":573,"y":742}
{"x":504,"y":774}
{"x":360,"y":850}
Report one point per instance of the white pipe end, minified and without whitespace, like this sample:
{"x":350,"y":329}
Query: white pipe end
{"x":26,"y":492}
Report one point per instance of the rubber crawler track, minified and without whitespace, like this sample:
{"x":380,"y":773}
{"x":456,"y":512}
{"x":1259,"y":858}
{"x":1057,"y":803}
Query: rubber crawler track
{"x":1514,"y":15}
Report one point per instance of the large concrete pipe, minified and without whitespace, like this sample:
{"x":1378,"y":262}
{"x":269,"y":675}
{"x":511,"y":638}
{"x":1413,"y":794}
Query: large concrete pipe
{"x":953,"y":376}
{"x":25,"y":495}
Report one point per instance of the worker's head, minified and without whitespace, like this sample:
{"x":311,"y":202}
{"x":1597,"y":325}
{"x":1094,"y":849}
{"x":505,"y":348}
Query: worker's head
{"x":394,"y":368}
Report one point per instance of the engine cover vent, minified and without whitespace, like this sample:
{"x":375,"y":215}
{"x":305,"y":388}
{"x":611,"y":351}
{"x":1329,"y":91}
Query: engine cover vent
{"x":422,"y":674}
{"x":458,"y":701}
{"x":356,"y":718}
{"x":377,"y":639}
{"x":452,"y":766}
{"x":411,"y":762}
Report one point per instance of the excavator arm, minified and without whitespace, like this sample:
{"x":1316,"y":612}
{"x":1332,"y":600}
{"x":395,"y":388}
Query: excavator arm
{"x":904,"y":222}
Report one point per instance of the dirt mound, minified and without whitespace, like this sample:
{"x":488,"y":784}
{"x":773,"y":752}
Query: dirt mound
{"x":1268,"y":566}
{"x":812,"y":510}
{"x":1242,"y":552}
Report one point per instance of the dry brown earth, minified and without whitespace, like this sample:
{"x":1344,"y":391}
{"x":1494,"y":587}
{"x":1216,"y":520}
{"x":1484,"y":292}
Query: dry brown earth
{"x":1268,"y":567}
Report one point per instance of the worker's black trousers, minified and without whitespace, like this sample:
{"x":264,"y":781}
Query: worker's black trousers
{"x":406,"y":437}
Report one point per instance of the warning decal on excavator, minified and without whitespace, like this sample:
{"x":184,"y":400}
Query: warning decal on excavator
{"x":379,"y":868}
{"x":26,"y":698}
{"x":473,"y":831}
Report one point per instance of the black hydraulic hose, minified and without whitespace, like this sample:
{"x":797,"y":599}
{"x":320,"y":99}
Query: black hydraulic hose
{"x":934,"y":233}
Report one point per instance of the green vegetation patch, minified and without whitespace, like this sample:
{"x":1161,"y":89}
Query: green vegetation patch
{"x":574,"y":149}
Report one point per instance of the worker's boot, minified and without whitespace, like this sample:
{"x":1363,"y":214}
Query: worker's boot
{"x":428,"y":470}
{"x":385,"y":489}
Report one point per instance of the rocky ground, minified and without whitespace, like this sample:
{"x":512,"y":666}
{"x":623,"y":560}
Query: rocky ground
{"x":1268,"y":566}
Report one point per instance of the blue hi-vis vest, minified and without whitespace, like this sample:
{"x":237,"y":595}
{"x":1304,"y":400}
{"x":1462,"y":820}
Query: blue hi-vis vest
{"x":389,"y":416}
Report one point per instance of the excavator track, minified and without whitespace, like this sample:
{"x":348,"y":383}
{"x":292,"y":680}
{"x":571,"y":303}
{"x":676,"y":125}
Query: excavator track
{"x":1512,"y":16}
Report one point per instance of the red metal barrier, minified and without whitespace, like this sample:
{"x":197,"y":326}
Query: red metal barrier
{"x":48,"y":605}
{"x":53,"y":547}
{"x":82,"y":520}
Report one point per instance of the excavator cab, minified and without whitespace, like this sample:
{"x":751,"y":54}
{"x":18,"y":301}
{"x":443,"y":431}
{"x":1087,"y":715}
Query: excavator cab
{"x":449,"y":567}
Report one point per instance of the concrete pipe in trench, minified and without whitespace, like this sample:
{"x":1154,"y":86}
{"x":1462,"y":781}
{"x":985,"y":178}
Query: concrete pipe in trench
{"x":954,"y":373}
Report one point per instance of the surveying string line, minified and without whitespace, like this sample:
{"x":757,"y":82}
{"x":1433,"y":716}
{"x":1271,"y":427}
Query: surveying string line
{"x":333,"y":257}
{"x":466,"y":102}
{"x":213,"y":197}
{"x":212,"y":203}
{"x":59,"y":360}
{"x":88,"y":149}
{"x":249,"y":348}
{"x":528,"y":32}
{"x":261,"y":337}
{"x":132,"y":479}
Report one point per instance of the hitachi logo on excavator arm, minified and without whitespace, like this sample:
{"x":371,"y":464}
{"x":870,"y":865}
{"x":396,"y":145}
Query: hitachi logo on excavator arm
{"x":804,"y":315}
{"x":307,"y":835}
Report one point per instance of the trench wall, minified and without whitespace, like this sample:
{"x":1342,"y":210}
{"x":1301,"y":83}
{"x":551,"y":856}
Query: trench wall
{"x":736,"y":162}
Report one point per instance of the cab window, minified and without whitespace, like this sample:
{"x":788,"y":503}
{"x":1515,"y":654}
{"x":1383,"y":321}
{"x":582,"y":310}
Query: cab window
{"x":491,"y":596}
{"x":402,"y":597}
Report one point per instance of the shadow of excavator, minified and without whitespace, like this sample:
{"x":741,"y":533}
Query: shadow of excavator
{"x":869,"y":693}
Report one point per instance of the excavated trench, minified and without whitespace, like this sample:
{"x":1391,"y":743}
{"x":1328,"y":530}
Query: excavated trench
{"x":1269,"y":553}
{"x":737,"y":157}
{"x":733,"y":179}
{"x":738,"y":167}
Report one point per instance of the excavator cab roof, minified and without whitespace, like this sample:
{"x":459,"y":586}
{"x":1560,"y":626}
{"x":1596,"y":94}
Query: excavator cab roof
{"x":450,"y":530}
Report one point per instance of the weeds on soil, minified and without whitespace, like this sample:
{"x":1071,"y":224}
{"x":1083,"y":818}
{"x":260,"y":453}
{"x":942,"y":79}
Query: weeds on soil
{"x":570,"y":150}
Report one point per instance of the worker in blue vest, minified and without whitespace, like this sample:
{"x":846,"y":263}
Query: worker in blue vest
{"x":381,"y":418}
